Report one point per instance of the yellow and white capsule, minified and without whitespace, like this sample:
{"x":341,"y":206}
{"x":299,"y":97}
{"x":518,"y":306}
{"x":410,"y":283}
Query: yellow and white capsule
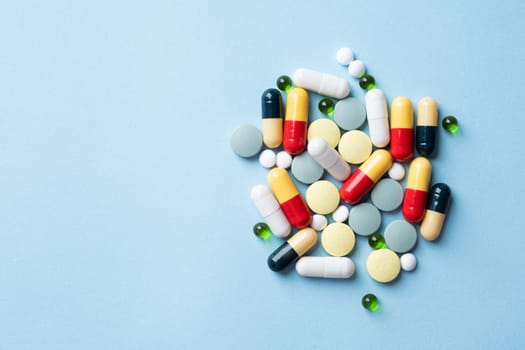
{"x":272,"y":118}
{"x":426,"y":126}
{"x":293,"y":248}
{"x":437,"y":208}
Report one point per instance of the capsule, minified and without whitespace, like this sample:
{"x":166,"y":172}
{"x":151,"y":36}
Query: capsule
{"x":437,"y":207}
{"x":270,"y":211}
{"x":401,"y":129}
{"x":289,"y":198}
{"x":329,"y":158}
{"x":272,"y":118}
{"x":377,"y":116}
{"x":293,"y":248}
{"x":364,"y":178}
{"x":426,"y":126}
{"x":415,"y":198}
{"x":321,"y":83}
{"x":325,"y":266}
{"x":295,"y":121}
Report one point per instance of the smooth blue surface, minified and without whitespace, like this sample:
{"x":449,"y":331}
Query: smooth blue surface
{"x":125,"y":219}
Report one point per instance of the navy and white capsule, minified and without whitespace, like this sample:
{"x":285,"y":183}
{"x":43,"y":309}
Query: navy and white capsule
{"x":272,"y":118}
{"x":426,"y":126}
{"x":296,"y":246}
{"x":437,"y":207}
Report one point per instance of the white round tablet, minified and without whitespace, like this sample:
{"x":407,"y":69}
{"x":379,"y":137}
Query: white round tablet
{"x":397,"y":171}
{"x":319,"y":222}
{"x":344,"y":56}
{"x":267,"y":158}
{"x":408,"y":262}
{"x":341,"y":213}
{"x":284,"y":160}
{"x":356,"y":69}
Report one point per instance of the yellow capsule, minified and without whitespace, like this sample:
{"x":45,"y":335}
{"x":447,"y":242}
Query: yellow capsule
{"x":415,"y":198}
{"x":401,"y":129}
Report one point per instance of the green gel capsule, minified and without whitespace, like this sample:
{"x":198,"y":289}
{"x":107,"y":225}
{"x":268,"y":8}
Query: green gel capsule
{"x":370,"y":302}
{"x":326,"y":106}
{"x":376,"y":241}
{"x":262,"y":231}
{"x":367,"y":82}
{"x":284,"y":83}
{"x":450,"y":124}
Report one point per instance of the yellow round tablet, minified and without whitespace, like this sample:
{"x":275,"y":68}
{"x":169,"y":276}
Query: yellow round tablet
{"x":383,"y":265}
{"x":325,"y":128}
{"x":338,"y":239}
{"x":322,"y":197}
{"x":355,"y":146}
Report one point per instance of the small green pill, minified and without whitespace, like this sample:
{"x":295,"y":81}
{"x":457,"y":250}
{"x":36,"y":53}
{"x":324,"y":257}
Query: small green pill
{"x":284,"y":83}
{"x":262,"y":231}
{"x":376,"y":241}
{"x":326,"y":106}
{"x":450,"y":124}
{"x":370,"y":302}
{"x":367,"y":82}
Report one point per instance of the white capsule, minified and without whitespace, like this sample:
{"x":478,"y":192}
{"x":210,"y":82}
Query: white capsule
{"x":329,"y":158}
{"x":284,"y":160}
{"x":270,"y":211}
{"x":325,"y":266}
{"x":267,"y":158}
{"x":377,"y":116}
{"x":319,"y":222}
{"x":408,"y":262}
{"x":341,"y":214}
{"x":397,"y":171}
{"x":357,"y":69}
{"x":344,"y":56}
{"x":321,"y":83}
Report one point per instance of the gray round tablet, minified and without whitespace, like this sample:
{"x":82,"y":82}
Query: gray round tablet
{"x":364,"y":219}
{"x":305,"y":169}
{"x":349,"y":113}
{"x":387,"y":195}
{"x":246,"y":141}
{"x":400,"y":236}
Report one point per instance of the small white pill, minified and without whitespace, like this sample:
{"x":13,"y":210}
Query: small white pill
{"x":319,"y":222}
{"x":344,"y":56}
{"x":325,"y":266}
{"x":408,"y":262}
{"x":397,"y":171}
{"x":341,"y":214}
{"x":284,"y":160}
{"x":267,"y":158}
{"x":356,"y":69}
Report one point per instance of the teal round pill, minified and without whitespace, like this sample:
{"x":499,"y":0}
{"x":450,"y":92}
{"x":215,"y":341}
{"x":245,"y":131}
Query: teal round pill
{"x":364,"y":219}
{"x":400,"y":236}
{"x":246,"y":141}
{"x":349,"y":113}
{"x":305,"y":169}
{"x":387,"y":195}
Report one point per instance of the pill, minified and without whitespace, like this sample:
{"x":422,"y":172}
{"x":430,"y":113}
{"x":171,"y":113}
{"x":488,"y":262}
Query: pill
{"x":267,"y":158}
{"x":284,"y":160}
{"x":355,"y":146}
{"x":295,"y":122}
{"x":272,"y":118}
{"x":437,"y":207}
{"x":262,"y":231}
{"x":367,"y":82}
{"x":415,"y":198}
{"x":344,"y":56}
{"x":329,"y":159}
{"x":341,"y":214}
{"x":364,"y":219}
{"x":326,"y":129}
{"x":289,"y":198}
{"x":376,"y":241}
{"x":305,"y":169}
{"x":319,"y":222}
{"x":408,"y":262}
{"x":321,"y":83}
{"x":426,"y":126}
{"x":326,"y":106}
{"x":377,"y":116}
{"x":338,"y":239}
{"x":370,"y":302}
{"x":322,"y":197}
{"x":349,"y":113}
{"x":270,"y":210}
{"x":325,"y":266}
{"x":363,"y":179}
{"x":400,"y":236}
{"x":293,"y":248}
{"x":383,"y":265}
{"x":387,"y":195}
{"x":246,"y":141}
{"x":356,"y":69}
{"x":450,"y":124}
{"x":401,"y":129}
{"x":397,"y":171}
{"x":284,"y":83}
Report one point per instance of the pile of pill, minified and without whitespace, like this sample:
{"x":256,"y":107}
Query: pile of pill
{"x":332,"y":145}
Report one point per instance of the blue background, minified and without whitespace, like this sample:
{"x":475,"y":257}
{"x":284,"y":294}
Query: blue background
{"x":125,"y":219}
